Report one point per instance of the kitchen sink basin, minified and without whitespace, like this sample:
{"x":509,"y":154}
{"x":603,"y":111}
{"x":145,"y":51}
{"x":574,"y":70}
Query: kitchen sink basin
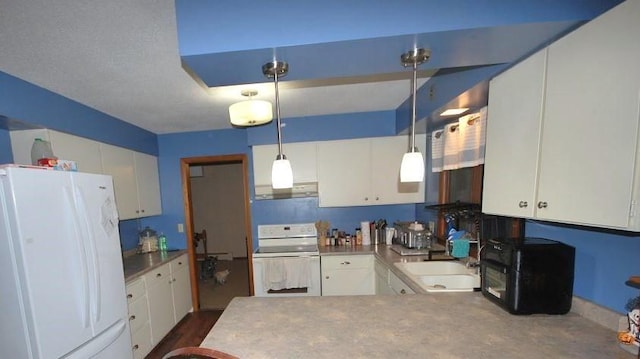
{"x":450,"y":282}
{"x":431,"y":268}
{"x":441,"y":276}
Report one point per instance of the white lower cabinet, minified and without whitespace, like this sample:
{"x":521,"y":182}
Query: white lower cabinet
{"x":387,"y":283}
{"x":157,"y":301}
{"x":382,"y":279}
{"x":180,"y":287}
{"x":398,"y":286}
{"x":160,"y":302}
{"x":139,"y":318}
{"x":347,"y":275}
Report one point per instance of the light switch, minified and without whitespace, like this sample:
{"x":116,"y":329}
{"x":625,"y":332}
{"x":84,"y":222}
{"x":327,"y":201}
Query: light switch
{"x":180,"y":227}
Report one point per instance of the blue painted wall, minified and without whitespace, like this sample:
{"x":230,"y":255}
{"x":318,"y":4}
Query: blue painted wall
{"x":604,"y":261}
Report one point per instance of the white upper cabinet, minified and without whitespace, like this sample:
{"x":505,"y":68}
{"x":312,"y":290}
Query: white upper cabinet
{"x":587,"y":118}
{"x":148,"y":184}
{"x":366,"y":171}
{"x":135,"y":174}
{"x":301,"y":155}
{"x":135,"y":180}
{"x":118,"y":162}
{"x":85,"y":152}
{"x":344,"y":168}
{"x":513,"y":139}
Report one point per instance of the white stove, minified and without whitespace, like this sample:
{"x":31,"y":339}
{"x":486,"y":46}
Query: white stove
{"x":287,"y":240}
{"x":287,"y":261}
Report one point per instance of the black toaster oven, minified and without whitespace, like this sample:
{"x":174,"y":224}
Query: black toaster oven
{"x":528,"y":275}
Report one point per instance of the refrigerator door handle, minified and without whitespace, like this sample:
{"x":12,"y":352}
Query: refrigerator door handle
{"x":83,"y":257}
{"x":84,"y":211}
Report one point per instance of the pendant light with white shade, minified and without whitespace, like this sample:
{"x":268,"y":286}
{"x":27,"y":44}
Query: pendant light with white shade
{"x":412,"y":167}
{"x":281,"y":173}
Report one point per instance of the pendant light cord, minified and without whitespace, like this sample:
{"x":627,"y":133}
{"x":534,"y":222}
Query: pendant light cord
{"x":413,"y":105}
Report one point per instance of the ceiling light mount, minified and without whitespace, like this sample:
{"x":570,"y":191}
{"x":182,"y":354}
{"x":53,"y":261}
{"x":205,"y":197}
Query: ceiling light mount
{"x":249,"y":93}
{"x":415,"y":57}
{"x":270,"y":69}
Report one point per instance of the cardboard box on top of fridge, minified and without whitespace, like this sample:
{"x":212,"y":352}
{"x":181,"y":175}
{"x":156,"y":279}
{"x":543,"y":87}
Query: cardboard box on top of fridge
{"x":58,"y":164}
{"x":65,"y":165}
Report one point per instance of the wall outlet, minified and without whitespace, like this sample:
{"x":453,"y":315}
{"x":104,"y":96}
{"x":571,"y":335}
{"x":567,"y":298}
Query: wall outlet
{"x":180,"y":227}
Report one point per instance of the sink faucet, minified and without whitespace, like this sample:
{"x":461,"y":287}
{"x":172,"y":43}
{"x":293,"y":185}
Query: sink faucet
{"x":471,"y":262}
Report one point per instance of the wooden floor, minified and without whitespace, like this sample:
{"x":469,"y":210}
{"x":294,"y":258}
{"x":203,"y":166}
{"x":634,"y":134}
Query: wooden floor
{"x":189,"y":332}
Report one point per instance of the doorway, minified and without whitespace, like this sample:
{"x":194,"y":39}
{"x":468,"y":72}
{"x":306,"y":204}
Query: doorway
{"x":216,"y":199}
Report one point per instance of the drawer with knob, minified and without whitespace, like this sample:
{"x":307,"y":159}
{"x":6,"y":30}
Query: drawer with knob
{"x":141,"y":341}
{"x":138,"y":313}
{"x":158,"y":275}
{"x":135,"y":290}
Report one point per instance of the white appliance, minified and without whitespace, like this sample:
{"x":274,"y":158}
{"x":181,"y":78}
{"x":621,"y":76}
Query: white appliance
{"x":63,"y":292}
{"x":282,"y":248}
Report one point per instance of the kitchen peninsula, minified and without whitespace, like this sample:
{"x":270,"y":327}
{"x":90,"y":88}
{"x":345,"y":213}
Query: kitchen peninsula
{"x":440,"y":325}
{"x":444,"y":325}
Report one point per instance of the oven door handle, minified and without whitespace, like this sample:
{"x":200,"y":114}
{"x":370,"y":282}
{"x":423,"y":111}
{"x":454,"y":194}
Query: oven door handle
{"x":501,"y":267}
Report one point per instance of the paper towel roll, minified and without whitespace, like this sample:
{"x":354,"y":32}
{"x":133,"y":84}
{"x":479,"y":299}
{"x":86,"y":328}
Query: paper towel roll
{"x":390,"y":232}
{"x":366,"y":233}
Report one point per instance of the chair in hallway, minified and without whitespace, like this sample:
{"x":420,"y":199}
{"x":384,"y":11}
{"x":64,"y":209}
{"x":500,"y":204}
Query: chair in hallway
{"x":208,"y":263}
{"x":200,"y":237}
{"x":197,"y":353}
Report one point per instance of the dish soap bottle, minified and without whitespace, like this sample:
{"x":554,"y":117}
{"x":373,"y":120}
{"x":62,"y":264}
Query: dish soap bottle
{"x":162,"y":242}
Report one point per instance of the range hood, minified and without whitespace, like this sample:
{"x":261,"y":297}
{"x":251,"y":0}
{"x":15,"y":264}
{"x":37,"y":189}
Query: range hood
{"x":304,"y":189}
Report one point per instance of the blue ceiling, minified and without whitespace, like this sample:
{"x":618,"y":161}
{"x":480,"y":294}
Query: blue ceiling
{"x":227,"y":42}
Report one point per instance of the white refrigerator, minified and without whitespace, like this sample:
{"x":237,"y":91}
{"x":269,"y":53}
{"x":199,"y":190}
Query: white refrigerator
{"x":61,"y":277}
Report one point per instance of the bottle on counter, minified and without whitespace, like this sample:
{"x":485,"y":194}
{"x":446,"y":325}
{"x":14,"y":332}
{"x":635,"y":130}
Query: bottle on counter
{"x":162,"y":242}
{"x":358,"y":237}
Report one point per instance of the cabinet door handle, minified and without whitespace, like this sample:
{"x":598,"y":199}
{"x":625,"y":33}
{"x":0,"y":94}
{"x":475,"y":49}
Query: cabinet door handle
{"x":327,"y":277}
{"x":377,"y":198}
{"x":523,"y":204}
{"x":542,"y":204}
{"x":403,"y":292}
{"x":345,"y":263}
{"x":366,"y":198}
{"x":159,"y":275}
{"x":142,"y":210}
{"x":133,"y":317}
{"x":135,"y":347}
{"x":129,"y":295}
{"x":179,"y":263}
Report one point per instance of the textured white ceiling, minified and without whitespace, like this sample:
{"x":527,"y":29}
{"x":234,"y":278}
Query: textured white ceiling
{"x":121,"y":57}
